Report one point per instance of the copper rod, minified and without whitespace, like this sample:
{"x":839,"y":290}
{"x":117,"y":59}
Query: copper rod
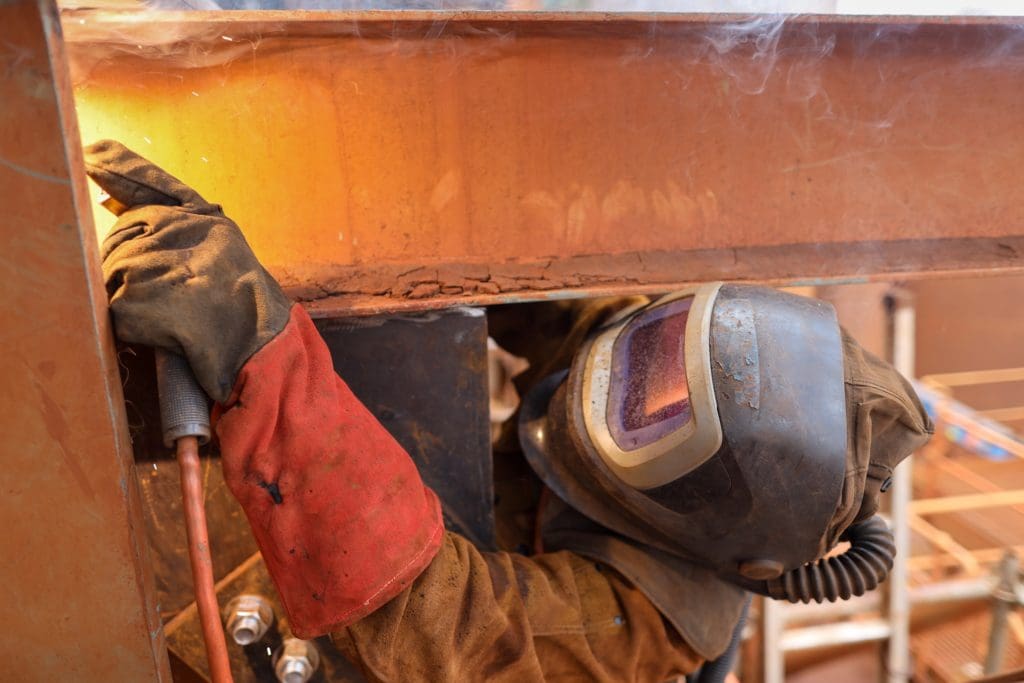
{"x":202,"y":563}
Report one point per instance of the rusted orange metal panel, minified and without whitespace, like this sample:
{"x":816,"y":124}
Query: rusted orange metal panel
{"x":77,"y":593}
{"x":387,"y":161}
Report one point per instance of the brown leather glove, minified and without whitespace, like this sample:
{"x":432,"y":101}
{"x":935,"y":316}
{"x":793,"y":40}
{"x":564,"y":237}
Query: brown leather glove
{"x":179,"y":274}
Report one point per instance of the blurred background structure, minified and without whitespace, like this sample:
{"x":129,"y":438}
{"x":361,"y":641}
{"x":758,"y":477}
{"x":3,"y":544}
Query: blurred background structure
{"x":964,"y":514}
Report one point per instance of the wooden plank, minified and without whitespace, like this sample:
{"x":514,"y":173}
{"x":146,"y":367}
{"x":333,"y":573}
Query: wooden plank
{"x":1008,"y":414}
{"x":950,"y":412}
{"x":940,"y":539}
{"x":971,"y":501}
{"x":960,"y":379}
{"x":78,"y":601}
{"x":393,"y":161}
{"x":968,"y":476}
{"x":944,"y":560}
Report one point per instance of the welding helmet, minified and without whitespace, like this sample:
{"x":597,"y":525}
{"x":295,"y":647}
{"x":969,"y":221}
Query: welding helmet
{"x":737,"y":427}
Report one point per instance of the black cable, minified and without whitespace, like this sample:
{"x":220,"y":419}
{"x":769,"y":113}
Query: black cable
{"x":716,"y":671}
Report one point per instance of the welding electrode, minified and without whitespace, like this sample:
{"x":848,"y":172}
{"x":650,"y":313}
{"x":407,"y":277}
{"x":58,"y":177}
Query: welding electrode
{"x":186,"y":423}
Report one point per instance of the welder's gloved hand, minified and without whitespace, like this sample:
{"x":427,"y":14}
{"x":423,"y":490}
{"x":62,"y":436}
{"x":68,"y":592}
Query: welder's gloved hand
{"x":179,"y":274}
{"x":340,"y":514}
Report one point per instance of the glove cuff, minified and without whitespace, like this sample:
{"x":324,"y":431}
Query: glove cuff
{"x":337,"y":506}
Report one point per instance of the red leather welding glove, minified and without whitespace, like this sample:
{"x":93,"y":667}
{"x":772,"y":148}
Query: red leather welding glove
{"x":337,"y":507}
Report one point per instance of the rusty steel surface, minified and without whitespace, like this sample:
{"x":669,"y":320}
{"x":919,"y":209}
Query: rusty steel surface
{"x":77,"y":595}
{"x":386,"y":161}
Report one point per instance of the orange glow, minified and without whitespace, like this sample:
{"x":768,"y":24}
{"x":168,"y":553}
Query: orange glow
{"x":358,"y":151}
{"x":664,"y":384}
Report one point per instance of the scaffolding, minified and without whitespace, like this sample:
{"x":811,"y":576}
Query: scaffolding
{"x":948,"y":571}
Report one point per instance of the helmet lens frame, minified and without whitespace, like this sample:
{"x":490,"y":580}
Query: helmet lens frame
{"x":650,"y":395}
{"x":646,"y":393}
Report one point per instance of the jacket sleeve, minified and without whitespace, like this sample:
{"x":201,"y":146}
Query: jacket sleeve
{"x":337,"y":507}
{"x":498,"y":617}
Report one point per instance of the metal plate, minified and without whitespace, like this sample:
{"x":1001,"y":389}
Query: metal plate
{"x":78,"y":601}
{"x":425,"y":378}
{"x":383,"y":161}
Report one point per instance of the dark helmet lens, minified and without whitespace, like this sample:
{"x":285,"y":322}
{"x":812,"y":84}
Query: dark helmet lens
{"x":649,"y":397}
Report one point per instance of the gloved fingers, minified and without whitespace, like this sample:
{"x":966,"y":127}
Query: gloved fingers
{"x":128,"y":227}
{"x":133,"y":181}
{"x":114,"y":268}
{"x":165,"y":229}
{"x":149,"y":241}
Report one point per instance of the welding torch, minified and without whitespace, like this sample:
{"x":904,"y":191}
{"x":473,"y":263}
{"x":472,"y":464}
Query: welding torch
{"x":186,"y":426}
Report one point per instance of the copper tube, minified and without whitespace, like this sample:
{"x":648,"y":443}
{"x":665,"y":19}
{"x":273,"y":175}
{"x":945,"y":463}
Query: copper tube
{"x":202,"y":563}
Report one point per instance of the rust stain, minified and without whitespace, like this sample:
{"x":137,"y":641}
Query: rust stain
{"x":57,"y":428}
{"x":446,"y":190}
{"x":369,"y":290}
{"x":47,"y":368}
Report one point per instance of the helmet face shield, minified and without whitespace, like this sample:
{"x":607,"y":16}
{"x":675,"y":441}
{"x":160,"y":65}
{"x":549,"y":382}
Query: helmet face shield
{"x":649,"y":405}
{"x":731,"y":426}
{"x":716,"y":416}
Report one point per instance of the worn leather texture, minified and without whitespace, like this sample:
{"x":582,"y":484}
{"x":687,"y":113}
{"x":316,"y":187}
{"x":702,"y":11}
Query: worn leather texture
{"x":701,"y":607}
{"x":886,"y":422}
{"x":179,"y":273}
{"x":501,"y":617}
{"x":338,"y":509}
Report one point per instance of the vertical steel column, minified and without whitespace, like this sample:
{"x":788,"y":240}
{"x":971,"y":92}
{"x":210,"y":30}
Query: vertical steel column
{"x":1004,"y":600}
{"x":898,"y":665}
{"x":773,"y":623}
{"x":77,"y":591}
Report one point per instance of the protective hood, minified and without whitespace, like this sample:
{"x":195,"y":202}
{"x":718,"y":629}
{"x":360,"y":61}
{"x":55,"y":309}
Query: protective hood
{"x":809,"y":423}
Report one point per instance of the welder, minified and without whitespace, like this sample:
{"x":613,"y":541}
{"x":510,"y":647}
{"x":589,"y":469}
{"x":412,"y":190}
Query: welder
{"x":698,"y":446}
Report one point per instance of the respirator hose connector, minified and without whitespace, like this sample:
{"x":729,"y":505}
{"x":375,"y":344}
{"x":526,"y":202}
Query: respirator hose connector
{"x":864,"y":565}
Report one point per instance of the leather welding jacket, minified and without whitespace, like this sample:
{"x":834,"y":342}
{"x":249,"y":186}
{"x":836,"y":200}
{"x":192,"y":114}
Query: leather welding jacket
{"x":404,"y":600}
{"x":473,"y":616}
{"x":355,"y":545}
{"x":555,"y":616}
